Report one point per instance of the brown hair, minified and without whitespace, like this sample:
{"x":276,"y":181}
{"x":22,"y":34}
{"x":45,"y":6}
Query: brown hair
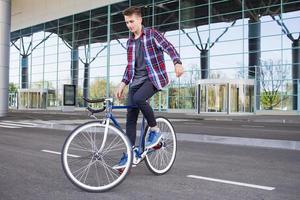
{"x":132,"y":10}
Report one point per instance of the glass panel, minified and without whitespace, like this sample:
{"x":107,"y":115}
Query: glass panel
{"x":249,"y":98}
{"x":202,"y":24}
{"x":273,"y":78}
{"x":217,"y":98}
{"x":166,"y":15}
{"x":234,"y":98}
{"x":203,"y":97}
{"x":159,"y":102}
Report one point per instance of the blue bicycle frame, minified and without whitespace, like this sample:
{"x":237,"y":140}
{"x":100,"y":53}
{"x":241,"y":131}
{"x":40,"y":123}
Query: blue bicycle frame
{"x":139,"y":150}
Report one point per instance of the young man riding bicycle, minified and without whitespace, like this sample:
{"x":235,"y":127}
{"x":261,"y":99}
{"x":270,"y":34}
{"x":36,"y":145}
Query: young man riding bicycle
{"x":145,"y":73}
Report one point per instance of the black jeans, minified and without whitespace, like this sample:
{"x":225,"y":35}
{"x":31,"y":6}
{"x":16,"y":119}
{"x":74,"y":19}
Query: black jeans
{"x":138,"y":96}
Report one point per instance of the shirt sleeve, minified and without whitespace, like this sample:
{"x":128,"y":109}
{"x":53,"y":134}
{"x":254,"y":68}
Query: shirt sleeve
{"x":166,"y":46}
{"x":126,"y":77}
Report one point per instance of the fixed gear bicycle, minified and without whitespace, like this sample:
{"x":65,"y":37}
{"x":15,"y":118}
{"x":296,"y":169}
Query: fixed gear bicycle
{"x":91,"y":151}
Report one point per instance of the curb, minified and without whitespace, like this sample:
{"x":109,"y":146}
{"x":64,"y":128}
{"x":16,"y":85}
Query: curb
{"x":188,"y":137}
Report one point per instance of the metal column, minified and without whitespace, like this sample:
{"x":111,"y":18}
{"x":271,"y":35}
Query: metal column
{"x":204,"y":64}
{"x":5,"y":15}
{"x":108,"y":51}
{"x":254,"y":33}
{"x":298,"y":97}
{"x":296,"y":72}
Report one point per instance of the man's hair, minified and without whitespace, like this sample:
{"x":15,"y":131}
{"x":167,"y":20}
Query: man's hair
{"x":132,"y":10}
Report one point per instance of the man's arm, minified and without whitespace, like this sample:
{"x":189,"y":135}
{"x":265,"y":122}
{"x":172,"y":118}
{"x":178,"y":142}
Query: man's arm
{"x":119,"y":90}
{"x":166,"y":46}
{"x":163,"y":43}
{"x":126,"y":77}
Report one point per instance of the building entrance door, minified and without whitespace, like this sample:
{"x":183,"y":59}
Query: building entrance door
{"x":34,"y":98}
{"x":219,"y":96}
{"x":213,"y":98}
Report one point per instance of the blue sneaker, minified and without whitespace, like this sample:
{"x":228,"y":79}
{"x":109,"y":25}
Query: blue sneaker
{"x":122,"y":162}
{"x":153,"y":139}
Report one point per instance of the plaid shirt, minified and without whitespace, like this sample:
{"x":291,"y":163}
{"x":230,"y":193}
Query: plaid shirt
{"x":153,"y":45}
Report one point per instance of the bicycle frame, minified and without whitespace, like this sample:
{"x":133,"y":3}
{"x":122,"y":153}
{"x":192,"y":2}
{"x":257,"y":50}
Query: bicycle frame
{"x":109,"y":116}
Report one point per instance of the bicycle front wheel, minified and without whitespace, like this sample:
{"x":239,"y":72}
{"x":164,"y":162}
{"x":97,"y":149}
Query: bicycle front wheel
{"x":161,"y":158}
{"x":89,"y":168}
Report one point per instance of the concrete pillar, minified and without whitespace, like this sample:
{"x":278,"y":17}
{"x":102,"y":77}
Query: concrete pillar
{"x":24,"y":64}
{"x":295,"y":72}
{"x":86,"y":82}
{"x":254,"y":32}
{"x":74,"y":65}
{"x":5,"y":21}
{"x":204,"y":75}
{"x":204,"y":64}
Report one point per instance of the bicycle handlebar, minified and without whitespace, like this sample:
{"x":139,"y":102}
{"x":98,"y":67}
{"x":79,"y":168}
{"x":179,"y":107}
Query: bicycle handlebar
{"x":93,"y":100}
{"x":104,"y":107}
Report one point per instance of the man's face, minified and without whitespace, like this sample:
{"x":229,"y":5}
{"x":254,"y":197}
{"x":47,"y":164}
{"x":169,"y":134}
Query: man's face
{"x":133,"y":22}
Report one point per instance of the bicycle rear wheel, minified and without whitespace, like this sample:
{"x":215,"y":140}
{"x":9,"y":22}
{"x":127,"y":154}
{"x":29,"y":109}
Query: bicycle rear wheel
{"x":161,"y":158}
{"x":87,"y":167}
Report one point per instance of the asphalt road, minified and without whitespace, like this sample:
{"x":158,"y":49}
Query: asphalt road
{"x":201,"y":171}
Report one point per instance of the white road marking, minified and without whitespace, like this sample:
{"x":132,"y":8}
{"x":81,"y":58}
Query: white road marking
{"x":6,"y":126}
{"x":252,"y":126}
{"x":16,"y":124}
{"x":232,"y":182}
{"x":25,"y":123}
{"x":59,"y":153}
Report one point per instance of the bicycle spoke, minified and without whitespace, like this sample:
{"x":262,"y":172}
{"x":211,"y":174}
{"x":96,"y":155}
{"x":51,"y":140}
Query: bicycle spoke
{"x":79,"y":148}
{"x":97,"y":175}
{"x":112,"y":150}
{"x":83,"y":170}
{"x":90,"y":169}
{"x":108,"y":171}
{"x":112,"y":144}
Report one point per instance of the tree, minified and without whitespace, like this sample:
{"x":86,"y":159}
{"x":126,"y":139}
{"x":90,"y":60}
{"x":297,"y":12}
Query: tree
{"x":25,"y":52}
{"x":273,"y":76}
{"x":12,"y":88}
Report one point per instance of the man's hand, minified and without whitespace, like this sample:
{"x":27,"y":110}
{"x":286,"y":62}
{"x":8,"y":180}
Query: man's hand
{"x":178,"y":70}
{"x":119,"y":90}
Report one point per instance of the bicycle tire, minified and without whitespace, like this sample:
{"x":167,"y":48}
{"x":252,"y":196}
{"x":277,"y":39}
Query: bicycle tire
{"x":85,"y":166}
{"x":161,"y":160}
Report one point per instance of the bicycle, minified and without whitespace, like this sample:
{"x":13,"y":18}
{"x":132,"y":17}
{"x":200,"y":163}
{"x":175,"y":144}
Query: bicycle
{"x":93,"y":148}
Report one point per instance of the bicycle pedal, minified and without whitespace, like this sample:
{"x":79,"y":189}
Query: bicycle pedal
{"x":158,"y":146}
{"x":121,"y":171}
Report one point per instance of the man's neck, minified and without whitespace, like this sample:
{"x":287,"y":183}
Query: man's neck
{"x":137,"y":33}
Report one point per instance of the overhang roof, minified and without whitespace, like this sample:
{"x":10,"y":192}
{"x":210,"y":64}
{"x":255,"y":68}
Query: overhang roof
{"x":226,"y":11}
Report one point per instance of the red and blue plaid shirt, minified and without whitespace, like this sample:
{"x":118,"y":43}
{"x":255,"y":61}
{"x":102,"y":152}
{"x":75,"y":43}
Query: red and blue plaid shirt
{"x":153,"y":46}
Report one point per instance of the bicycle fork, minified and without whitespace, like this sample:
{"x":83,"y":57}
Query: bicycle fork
{"x":106,"y":123}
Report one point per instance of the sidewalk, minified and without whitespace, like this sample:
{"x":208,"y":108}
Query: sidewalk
{"x":55,"y":119}
{"x":83,"y":114}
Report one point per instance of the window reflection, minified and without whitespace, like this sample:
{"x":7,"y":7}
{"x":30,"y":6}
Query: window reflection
{"x":216,"y":39}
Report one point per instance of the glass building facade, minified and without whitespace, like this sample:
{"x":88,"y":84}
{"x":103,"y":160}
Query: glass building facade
{"x":217,"y":40}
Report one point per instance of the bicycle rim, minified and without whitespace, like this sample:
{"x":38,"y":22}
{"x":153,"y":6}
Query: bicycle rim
{"x":90,"y":169}
{"x":160,"y":160}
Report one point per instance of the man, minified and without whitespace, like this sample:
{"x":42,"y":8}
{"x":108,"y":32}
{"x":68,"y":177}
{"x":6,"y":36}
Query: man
{"x":145,"y":73}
